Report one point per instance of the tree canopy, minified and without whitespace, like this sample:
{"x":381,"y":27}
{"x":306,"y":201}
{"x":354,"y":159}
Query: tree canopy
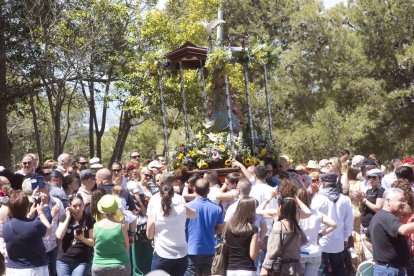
{"x":338,"y":78}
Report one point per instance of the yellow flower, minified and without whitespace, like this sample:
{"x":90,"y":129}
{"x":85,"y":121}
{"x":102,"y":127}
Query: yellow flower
{"x":180,"y":156}
{"x":228,"y":163}
{"x":192,"y":153}
{"x":255,"y":161}
{"x":248,"y":161}
{"x":263,"y":152}
{"x":202,"y":165}
{"x":222,"y":147}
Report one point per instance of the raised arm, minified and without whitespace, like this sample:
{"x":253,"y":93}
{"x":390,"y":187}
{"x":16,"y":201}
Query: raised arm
{"x":266,"y":213}
{"x":245,"y":172}
{"x":63,"y":225}
{"x":304,"y":210}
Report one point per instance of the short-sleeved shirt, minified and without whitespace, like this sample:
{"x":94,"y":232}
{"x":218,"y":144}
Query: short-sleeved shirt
{"x":72,"y":249}
{"x":200,"y":230}
{"x":239,"y":251}
{"x":24,"y":243}
{"x":371,"y":196}
{"x":388,"y":246}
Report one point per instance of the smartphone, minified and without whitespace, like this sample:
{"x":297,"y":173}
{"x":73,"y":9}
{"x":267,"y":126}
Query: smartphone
{"x":33,"y":180}
{"x":40,"y":181}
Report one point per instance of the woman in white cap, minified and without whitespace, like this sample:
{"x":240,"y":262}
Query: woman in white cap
{"x":370,"y":203}
{"x":111,"y":241}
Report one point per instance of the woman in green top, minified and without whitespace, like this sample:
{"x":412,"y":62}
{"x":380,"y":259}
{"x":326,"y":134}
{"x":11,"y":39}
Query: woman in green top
{"x":111,"y":241}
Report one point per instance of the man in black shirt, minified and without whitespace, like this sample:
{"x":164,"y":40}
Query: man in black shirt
{"x":385,"y":235}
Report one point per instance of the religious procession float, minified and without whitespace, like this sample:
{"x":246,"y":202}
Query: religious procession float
{"x":232,"y":129}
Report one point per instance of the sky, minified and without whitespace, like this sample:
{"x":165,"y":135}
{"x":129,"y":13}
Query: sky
{"x":328,"y":3}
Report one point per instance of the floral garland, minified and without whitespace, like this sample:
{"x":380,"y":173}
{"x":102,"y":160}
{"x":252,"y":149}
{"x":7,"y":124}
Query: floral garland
{"x":208,"y":150}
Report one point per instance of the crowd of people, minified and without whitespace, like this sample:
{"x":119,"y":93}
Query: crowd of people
{"x":76,"y":217}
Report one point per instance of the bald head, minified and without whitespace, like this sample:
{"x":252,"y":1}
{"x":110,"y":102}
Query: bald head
{"x":4,"y":181}
{"x":202,"y":187}
{"x":103,"y":176}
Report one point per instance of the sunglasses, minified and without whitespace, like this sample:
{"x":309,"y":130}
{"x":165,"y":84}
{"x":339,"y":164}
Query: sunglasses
{"x":27,"y":163}
{"x":147,"y":175}
{"x":136,"y":156}
{"x":117,"y":171}
{"x":315,"y":180}
{"x":371,"y":177}
{"x":83,"y":163}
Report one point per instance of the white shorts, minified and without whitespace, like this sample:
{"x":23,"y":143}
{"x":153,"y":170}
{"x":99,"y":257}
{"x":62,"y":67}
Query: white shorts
{"x":35,"y":271}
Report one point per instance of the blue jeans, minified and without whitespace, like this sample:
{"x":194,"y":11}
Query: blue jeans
{"x":335,"y":260}
{"x":72,"y":268}
{"x":51,"y":259}
{"x":174,"y":267}
{"x":384,"y":270}
{"x":199,"y":265}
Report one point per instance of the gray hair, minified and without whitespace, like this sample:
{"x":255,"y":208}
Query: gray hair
{"x":391,"y":192}
{"x":62,"y":157}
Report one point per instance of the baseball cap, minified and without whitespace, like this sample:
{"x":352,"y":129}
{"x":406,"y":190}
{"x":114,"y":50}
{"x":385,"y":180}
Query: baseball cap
{"x":86,"y":174}
{"x":56,"y":173}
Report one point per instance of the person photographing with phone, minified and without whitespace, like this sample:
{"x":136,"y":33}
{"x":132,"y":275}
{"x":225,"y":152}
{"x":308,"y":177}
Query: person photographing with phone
{"x":53,"y":210}
{"x":75,"y":230}
{"x":23,"y":236}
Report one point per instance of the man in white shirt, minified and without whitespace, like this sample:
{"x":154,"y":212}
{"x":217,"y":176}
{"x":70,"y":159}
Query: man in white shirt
{"x":244,"y":187}
{"x":27,"y":165}
{"x":212,"y":178}
{"x":389,"y":178}
{"x":262,"y":192}
{"x":338,"y":207}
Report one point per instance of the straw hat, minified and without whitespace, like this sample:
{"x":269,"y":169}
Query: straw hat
{"x":108,"y":204}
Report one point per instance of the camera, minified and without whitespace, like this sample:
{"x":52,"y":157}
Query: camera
{"x":37,"y":200}
{"x":77,"y":228}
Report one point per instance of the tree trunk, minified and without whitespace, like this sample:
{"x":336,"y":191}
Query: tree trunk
{"x":100,"y":132}
{"x":5,"y":148}
{"x":123,"y":131}
{"x":91,"y":107}
{"x":36,"y":129}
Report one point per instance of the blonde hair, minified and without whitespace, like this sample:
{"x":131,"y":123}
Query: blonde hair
{"x":336,"y":164}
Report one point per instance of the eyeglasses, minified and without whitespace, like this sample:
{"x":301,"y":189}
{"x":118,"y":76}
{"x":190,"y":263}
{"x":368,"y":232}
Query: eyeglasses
{"x":117,"y":171}
{"x":372,"y":177}
{"x":27,"y":163}
{"x":136,"y":156}
{"x":147,"y":175}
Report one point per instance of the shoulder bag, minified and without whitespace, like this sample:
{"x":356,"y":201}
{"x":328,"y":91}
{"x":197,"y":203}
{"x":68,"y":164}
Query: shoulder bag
{"x":219,"y":265}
